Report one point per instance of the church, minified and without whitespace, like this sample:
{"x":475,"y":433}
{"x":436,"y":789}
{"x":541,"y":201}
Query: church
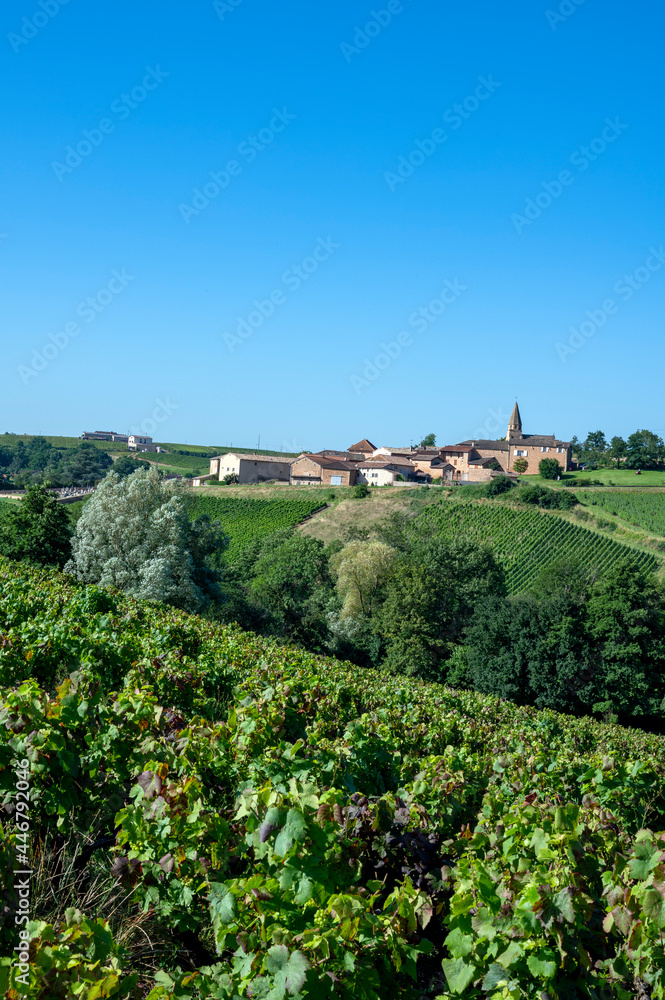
{"x":480,"y":456}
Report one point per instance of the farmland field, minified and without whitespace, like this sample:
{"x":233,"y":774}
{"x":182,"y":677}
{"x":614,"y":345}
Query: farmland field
{"x":245,"y":518}
{"x":225,"y":816}
{"x":526,"y":541}
{"x":645,"y":510}
{"x":605,"y":477}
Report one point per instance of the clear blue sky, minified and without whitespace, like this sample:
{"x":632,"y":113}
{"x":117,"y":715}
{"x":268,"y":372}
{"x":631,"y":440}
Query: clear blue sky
{"x":170,"y":93}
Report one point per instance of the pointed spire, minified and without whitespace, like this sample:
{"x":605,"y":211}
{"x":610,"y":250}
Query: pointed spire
{"x":515,"y":418}
{"x":514,"y":424}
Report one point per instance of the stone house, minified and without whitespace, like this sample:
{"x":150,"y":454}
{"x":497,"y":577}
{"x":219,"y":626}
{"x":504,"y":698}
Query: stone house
{"x":320,"y":470}
{"x":377,"y":471}
{"x":251,"y":468}
{"x":362,"y":449}
{"x":138,"y":442}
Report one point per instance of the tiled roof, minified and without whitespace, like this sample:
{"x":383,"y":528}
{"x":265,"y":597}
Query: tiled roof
{"x":325,"y":463}
{"x":252,"y":458}
{"x":363,"y":445}
{"x":490,"y":445}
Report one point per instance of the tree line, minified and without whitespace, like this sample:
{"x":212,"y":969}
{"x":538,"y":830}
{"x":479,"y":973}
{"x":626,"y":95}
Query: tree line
{"x":37,"y":461}
{"x":643,"y":450}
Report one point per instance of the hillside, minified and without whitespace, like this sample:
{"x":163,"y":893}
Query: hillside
{"x":235,"y":812}
{"x":247,"y":518}
{"x":524,"y":539}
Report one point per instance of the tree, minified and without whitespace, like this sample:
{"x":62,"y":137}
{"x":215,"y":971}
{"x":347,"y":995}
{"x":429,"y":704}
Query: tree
{"x":499,"y":485}
{"x":360,"y":491}
{"x":431,"y":599}
{"x":362,"y":568}
{"x":428,"y":441}
{"x":83,"y":466}
{"x":644,"y":450}
{"x":126,"y":465}
{"x":549,"y":468}
{"x":520,"y":465}
{"x":626,"y":628}
{"x":531,"y":651}
{"x":292,"y":582}
{"x":135,"y":533}
{"x":36,"y":529}
{"x":618,"y":449}
{"x":594,"y":450}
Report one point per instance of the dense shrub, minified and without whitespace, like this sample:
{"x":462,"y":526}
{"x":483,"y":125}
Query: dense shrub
{"x":549,"y":468}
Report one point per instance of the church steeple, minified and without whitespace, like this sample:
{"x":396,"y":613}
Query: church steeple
{"x":514,"y":424}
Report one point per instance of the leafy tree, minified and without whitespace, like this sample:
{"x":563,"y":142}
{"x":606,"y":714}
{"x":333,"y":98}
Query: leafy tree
{"x":644,"y":450}
{"x":430,"y":602}
{"x":428,"y":441}
{"x":291,"y":581}
{"x":549,"y":468}
{"x":362,"y":569}
{"x":360,"y":491}
{"x":520,"y":465}
{"x":626,"y":626}
{"x":126,"y":465}
{"x":36,"y":529}
{"x":618,"y":450}
{"x":84,"y":466}
{"x":566,"y":577}
{"x":135,"y":534}
{"x":544,"y":497}
{"x":499,"y":485}
{"x":531,"y":651}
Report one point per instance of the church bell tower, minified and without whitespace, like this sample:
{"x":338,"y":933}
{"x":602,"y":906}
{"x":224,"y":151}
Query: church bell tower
{"x":514,"y":425}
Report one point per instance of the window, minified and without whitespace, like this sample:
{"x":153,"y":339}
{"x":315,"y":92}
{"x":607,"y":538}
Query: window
{"x":544,"y":449}
{"x":561,"y":450}
{"x":521,"y":453}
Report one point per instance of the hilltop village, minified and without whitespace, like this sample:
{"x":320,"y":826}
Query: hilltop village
{"x":364,"y":462}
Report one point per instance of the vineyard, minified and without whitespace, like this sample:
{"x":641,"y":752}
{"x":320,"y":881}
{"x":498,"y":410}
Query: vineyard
{"x":210,"y":814}
{"x":526,"y":541}
{"x":645,"y":510}
{"x":245,"y":519}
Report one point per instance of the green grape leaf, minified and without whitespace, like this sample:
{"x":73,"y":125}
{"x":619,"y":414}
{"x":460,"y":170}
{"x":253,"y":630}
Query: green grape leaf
{"x":458,"y":973}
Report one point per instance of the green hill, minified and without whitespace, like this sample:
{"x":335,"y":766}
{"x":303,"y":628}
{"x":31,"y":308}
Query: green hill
{"x":247,"y":518}
{"x":642,"y":509}
{"x":227,"y":816}
{"x":526,"y":540}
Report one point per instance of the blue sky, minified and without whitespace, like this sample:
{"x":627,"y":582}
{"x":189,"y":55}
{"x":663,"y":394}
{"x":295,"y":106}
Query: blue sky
{"x":362,"y":258}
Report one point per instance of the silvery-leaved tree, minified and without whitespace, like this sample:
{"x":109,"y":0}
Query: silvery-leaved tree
{"x":136,"y":534}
